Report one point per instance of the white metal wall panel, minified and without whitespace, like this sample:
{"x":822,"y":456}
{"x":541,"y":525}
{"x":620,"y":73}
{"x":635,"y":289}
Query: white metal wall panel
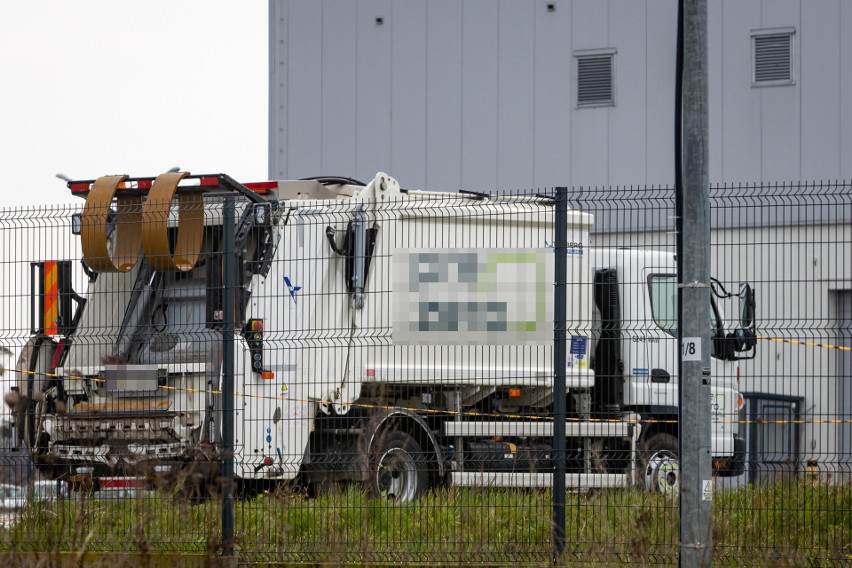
{"x":845,"y":110}
{"x":304,"y":80}
{"x":661,"y":37}
{"x":373,"y":88}
{"x":741,"y":103}
{"x":627,"y":148}
{"x":780,"y":108}
{"x":278,"y":69}
{"x":408,"y":85}
{"x":819,"y":78}
{"x":715,"y":75}
{"x":552,"y":96}
{"x":443,"y":97}
{"x":515,"y":97}
{"x":479,"y":95}
{"x":590,"y":126}
{"x":339,"y":76}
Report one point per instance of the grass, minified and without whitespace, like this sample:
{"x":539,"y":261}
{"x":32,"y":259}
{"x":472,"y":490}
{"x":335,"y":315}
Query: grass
{"x":784,"y":524}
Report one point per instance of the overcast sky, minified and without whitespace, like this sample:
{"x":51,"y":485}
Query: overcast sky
{"x":96,"y":87}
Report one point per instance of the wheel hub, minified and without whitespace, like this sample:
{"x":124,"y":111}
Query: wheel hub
{"x":397,"y":475}
{"x":662,"y":474}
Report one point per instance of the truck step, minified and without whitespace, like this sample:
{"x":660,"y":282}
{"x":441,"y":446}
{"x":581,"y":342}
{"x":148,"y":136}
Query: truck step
{"x":537,"y":429}
{"x":514,"y":479}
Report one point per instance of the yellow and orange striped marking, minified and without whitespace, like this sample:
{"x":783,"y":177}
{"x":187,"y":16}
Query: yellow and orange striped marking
{"x":50,"y":305}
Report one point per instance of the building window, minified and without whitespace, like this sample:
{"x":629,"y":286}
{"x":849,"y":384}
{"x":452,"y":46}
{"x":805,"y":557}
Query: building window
{"x":595,"y":77}
{"x":772,"y":54}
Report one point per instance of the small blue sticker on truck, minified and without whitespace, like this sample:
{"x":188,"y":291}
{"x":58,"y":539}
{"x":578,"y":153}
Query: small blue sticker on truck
{"x":572,"y":247}
{"x":640,"y":372}
{"x":293,"y":289}
{"x":578,"y":344}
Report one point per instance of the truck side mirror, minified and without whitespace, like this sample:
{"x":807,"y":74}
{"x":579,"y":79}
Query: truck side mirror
{"x":746,"y":306}
{"x":745,"y":336}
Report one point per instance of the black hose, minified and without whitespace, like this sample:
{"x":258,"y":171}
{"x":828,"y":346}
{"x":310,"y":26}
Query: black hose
{"x":678,"y":133}
{"x":335,"y":180}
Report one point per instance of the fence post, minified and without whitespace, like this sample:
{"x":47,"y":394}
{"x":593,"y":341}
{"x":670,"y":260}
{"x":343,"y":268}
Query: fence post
{"x":559,"y":361}
{"x":228,"y":378}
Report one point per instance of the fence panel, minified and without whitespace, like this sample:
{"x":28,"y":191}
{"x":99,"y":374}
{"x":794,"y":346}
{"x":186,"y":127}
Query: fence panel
{"x":393,"y":374}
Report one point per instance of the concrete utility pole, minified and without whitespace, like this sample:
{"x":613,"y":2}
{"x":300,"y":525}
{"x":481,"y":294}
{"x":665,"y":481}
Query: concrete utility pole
{"x":696,"y":483}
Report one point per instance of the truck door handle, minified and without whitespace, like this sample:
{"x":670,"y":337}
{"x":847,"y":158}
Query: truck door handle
{"x":660,"y":376}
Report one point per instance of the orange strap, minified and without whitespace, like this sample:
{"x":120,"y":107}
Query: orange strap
{"x":93,"y":227}
{"x":190,"y":225}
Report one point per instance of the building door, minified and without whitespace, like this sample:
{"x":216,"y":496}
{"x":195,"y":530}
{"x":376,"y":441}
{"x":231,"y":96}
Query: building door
{"x":772,"y":436}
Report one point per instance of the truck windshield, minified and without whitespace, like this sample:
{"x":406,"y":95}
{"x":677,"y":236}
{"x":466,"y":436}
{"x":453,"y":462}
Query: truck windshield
{"x":663,"y":292}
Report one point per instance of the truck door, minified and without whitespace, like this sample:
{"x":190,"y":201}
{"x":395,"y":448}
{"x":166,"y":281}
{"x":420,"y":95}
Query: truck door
{"x":609,"y":355}
{"x":661,"y":342}
{"x":663,"y":350}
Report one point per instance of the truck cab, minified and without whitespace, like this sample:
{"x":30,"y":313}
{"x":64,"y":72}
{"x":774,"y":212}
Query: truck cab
{"x":635,"y":355}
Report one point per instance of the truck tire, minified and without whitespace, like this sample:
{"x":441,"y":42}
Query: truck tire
{"x":398,"y":468}
{"x":660,"y":466}
{"x":33,"y":368}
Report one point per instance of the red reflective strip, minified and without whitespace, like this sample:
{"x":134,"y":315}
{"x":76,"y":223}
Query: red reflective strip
{"x":262,"y":187}
{"x":122,"y":482}
{"x":57,"y":354}
{"x":51,"y":297}
{"x":371,"y":372}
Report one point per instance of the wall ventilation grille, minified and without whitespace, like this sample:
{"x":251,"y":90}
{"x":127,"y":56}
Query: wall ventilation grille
{"x":773,"y":59}
{"x":594,"y":80}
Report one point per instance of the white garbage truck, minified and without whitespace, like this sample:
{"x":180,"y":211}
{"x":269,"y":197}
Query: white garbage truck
{"x":400,"y":339}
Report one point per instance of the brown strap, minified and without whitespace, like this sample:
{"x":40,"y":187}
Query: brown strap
{"x":190,"y":227}
{"x":93,"y":227}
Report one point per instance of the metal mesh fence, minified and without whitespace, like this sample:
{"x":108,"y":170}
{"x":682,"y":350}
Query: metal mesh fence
{"x":393,"y":374}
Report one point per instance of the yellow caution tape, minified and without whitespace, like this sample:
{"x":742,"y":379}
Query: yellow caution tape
{"x":805,"y":343}
{"x":453,"y":412}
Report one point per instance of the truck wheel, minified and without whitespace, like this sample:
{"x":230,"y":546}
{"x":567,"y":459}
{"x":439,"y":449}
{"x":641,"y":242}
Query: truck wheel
{"x":398,"y":467}
{"x":660,"y":465}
